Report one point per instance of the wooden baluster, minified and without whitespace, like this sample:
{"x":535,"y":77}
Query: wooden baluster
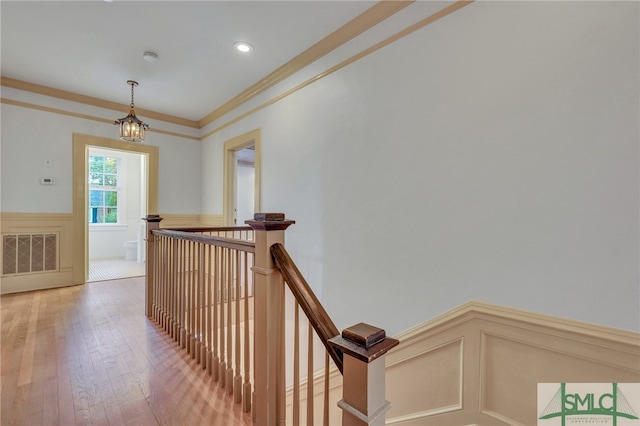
{"x":163,"y":292}
{"x":183,"y":294}
{"x":153,"y":222}
{"x":217,"y":269}
{"x":165,"y":282}
{"x":167,"y":279}
{"x":155,"y":283}
{"x":194,"y":295}
{"x":325,"y":412}
{"x":159,"y":281}
{"x":246,"y":390}
{"x":230,"y":284}
{"x":167,"y":286}
{"x":187,"y":296}
{"x":364,"y":348}
{"x":192,"y":310}
{"x":168,"y":283}
{"x":173,"y":276}
{"x":178,"y":277}
{"x":194,"y":278}
{"x":296,"y":364}
{"x":281,"y":383}
{"x":200,"y":341}
{"x":184,"y":291}
{"x":237,"y":384}
{"x":223,"y":284}
{"x":310,"y":336}
{"x":157,"y":309}
{"x":175,"y":266}
{"x":207,"y":307}
{"x":187,"y":284}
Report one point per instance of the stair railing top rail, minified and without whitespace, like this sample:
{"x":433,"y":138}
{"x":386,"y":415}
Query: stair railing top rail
{"x":209,"y":228}
{"x":193,"y":235}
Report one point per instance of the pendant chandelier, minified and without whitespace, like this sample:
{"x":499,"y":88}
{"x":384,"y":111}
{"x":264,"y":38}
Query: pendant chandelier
{"x":131,"y":128}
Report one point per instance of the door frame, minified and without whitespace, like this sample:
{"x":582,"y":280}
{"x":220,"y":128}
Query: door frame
{"x":252,"y":138}
{"x":81,"y":144}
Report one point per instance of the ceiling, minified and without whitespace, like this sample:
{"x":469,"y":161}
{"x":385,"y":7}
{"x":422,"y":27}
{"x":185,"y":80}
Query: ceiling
{"x":93,"y":47}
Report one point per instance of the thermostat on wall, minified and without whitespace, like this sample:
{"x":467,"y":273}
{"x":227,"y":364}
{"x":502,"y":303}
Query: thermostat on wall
{"x":47,"y":181}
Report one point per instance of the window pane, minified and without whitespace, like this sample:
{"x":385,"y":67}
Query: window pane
{"x":111,"y":215}
{"x":99,"y":215}
{"x":96,"y":164}
{"x":111,"y":198}
{"x":96,"y":197}
{"x":110,"y":180}
{"x":96,"y":179}
{"x":110,"y":165}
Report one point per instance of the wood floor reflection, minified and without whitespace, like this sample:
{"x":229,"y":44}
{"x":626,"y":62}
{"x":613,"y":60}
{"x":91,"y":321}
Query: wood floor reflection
{"x":87,"y":355}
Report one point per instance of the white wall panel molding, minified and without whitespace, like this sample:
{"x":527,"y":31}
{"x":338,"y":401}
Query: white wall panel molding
{"x":60,"y":224}
{"x":496,"y":356}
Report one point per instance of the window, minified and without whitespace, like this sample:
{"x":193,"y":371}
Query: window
{"x":103,"y":189}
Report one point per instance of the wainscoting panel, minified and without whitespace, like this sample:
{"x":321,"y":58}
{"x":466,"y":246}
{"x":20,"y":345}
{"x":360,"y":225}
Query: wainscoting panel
{"x":436,"y":388}
{"x":212,"y":220}
{"x":513,"y":361}
{"x":179,"y":220}
{"x":480,"y":364}
{"x":43,"y":256}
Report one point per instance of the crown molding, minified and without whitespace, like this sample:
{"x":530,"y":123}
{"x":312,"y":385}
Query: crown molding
{"x":89,"y":100}
{"x":366,"y":20}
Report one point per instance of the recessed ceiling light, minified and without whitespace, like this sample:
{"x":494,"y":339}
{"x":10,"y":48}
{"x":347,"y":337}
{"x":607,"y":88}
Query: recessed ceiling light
{"x":150,"y":56}
{"x":243,"y":46}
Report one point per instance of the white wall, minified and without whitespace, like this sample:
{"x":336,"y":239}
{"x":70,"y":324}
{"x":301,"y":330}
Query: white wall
{"x":492,"y":156}
{"x":29,"y":136}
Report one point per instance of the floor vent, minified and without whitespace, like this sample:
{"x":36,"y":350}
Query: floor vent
{"x":29,"y":253}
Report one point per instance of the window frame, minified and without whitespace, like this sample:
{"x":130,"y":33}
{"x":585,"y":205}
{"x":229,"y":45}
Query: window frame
{"x":105,"y":188}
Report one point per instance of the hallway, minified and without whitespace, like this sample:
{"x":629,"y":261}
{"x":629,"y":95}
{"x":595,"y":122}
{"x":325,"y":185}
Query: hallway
{"x":88,"y":355}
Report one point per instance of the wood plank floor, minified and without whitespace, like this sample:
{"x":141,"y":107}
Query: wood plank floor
{"x":87,"y":355}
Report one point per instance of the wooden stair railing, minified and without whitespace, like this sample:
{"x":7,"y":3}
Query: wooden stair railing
{"x":199,"y":289}
{"x":313,"y":309}
{"x":239,"y":325}
{"x":358,"y":351}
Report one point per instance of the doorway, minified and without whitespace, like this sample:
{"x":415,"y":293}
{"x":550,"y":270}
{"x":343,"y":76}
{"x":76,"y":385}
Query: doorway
{"x":81,"y":146}
{"x":242,"y":166}
{"x":117,"y":202}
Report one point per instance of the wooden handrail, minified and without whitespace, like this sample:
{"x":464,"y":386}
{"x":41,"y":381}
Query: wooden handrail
{"x":209,"y":228}
{"x":232,"y":243}
{"x":313,"y":309}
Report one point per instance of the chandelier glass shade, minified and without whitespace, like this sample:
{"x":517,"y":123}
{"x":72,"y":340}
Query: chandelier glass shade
{"x":131,"y":127}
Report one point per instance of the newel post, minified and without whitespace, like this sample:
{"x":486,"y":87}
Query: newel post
{"x":153,"y":222}
{"x":363,"y":389}
{"x":269,"y":396}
